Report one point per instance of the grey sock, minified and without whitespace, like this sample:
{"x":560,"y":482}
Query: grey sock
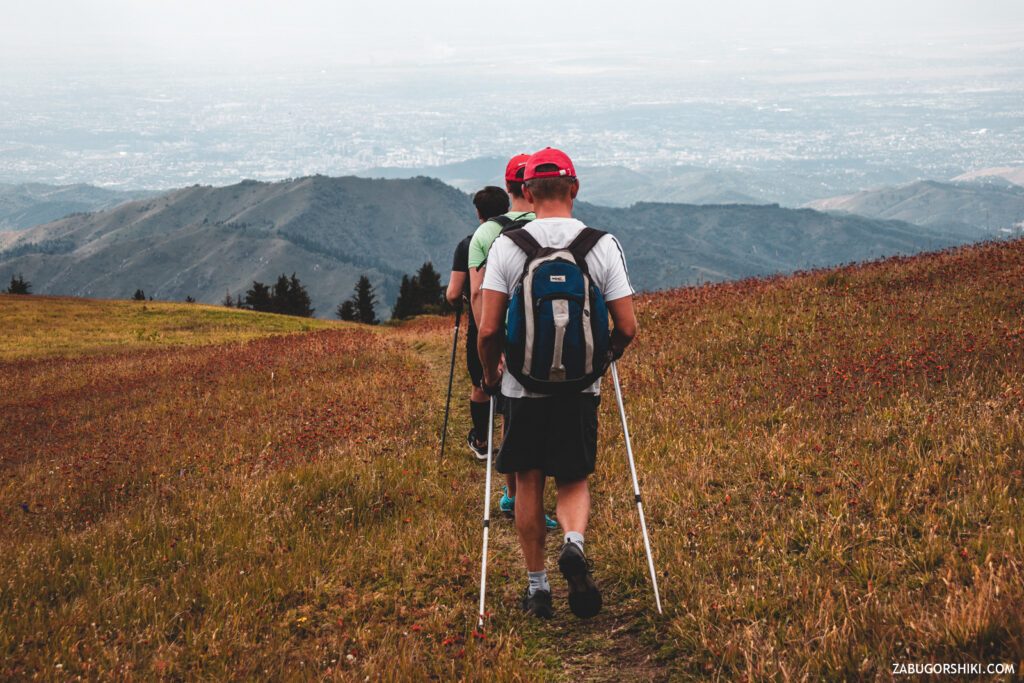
{"x":574,"y":537}
{"x":539,"y":581}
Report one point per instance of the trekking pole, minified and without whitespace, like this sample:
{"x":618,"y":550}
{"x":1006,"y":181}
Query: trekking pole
{"x":636,"y":486}
{"x":487,"y":514}
{"x":451,"y":375}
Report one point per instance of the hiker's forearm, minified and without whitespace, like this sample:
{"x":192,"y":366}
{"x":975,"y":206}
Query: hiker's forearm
{"x":476,"y":295}
{"x":476,"y":303}
{"x":456,"y":284}
{"x":491,"y":333}
{"x":624,"y":321}
{"x":621,"y":339}
{"x":489,"y":348}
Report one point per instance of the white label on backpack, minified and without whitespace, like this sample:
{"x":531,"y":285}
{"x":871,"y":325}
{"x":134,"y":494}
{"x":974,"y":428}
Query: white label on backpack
{"x":558,"y":278}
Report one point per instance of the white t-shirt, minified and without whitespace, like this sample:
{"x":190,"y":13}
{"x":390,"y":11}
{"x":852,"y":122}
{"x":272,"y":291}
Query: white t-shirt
{"x":505,"y":262}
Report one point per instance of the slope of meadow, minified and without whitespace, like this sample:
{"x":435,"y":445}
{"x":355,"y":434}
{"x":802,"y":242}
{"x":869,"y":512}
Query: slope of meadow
{"x":831,"y":463}
{"x":43,"y":327}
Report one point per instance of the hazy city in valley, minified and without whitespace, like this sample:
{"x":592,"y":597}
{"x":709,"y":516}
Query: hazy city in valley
{"x":780,"y":122}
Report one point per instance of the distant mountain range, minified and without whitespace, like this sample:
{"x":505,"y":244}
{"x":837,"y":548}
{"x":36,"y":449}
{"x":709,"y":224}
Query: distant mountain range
{"x":970,"y":209}
{"x":28,"y":204}
{"x":617,"y":185}
{"x":204,"y":241}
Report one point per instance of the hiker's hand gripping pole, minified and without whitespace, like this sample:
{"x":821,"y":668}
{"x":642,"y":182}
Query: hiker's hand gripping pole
{"x":487,"y":514}
{"x":451,"y":375}
{"x":636,"y":485}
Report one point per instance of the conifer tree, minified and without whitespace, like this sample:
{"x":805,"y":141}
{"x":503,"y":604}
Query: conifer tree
{"x":405,"y":304}
{"x":431,"y":294}
{"x":364,"y":300}
{"x":257,"y":298}
{"x":19,"y":285}
{"x":279,"y":296}
{"x":298,"y":299}
{"x":346,"y":310}
{"x":139,"y":295}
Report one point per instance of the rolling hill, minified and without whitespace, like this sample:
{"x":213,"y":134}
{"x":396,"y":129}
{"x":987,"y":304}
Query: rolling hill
{"x":28,"y":204}
{"x":206,"y":241}
{"x":830,"y":465}
{"x":1010,"y":174}
{"x":971,"y":209}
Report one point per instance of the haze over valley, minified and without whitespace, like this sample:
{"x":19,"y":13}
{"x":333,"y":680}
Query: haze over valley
{"x":679,"y":127}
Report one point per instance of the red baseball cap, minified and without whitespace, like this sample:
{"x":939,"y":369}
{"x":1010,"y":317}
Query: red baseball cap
{"x":515,"y":168}
{"x":556,"y":162}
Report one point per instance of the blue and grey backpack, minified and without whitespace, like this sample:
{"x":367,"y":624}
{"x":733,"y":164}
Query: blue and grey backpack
{"x":556,"y":333}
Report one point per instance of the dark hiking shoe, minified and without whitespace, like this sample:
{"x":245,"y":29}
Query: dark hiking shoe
{"x":584,"y":597}
{"x":479,"y":448}
{"x":538,"y":604}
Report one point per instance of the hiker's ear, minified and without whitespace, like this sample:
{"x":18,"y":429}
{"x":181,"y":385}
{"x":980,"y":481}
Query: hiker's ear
{"x":575,"y":189}
{"x":527,"y":195}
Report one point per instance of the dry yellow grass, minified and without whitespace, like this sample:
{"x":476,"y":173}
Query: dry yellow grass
{"x":831,"y":464}
{"x":38,"y":327}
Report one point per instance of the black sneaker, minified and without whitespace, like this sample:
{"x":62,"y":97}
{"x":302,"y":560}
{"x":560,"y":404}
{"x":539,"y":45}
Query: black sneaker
{"x":538,"y":604}
{"x":478,"y":451}
{"x":584,"y":597}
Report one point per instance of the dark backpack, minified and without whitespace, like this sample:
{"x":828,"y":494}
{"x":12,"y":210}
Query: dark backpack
{"x":556,"y":334}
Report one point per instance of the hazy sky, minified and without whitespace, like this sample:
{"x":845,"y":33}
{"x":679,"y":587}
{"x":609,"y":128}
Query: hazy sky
{"x":256,"y":32}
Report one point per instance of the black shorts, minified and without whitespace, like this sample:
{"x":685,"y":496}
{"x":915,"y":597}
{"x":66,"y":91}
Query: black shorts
{"x":476,"y":370}
{"x":557,"y":434}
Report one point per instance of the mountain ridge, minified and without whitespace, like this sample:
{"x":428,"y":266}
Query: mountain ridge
{"x":204,"y":241}
{"x":970,"y":208}
{"x":24,"y":205}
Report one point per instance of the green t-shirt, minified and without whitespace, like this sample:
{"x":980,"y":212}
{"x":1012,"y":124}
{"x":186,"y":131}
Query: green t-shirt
{"x":485,"y":235}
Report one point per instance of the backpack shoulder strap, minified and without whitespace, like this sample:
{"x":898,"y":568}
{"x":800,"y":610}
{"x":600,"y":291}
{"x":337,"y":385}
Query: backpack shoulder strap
{"x":582,"y":245}
{"x":503,"y":221}
{"x":525,"y":241}
{"x":515,"y":225}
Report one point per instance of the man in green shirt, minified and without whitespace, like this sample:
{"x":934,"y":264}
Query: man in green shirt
{"x":483,"y":238}
{"x":520,"y":211}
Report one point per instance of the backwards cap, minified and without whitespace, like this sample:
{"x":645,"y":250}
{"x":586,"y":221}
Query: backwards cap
{"x":554,"y":163}
{"x":515,"y":168}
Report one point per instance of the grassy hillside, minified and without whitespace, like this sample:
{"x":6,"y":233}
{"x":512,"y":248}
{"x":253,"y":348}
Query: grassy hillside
{"x":39,"y":327}
{"x":831,"y":464}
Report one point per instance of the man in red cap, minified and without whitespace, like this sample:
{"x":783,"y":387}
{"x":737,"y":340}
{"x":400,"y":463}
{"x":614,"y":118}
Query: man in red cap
{"x":552,"y":436}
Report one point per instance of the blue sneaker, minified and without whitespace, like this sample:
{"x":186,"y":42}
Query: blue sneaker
{"x":507,"y":505}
